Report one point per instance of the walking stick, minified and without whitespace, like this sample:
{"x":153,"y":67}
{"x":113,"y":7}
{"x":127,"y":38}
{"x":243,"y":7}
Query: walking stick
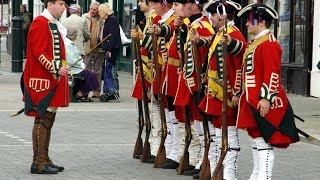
{"x":137,"y":153}
{"x":72,"y":65}
{"x":184,"y":161}
{"x":218,"y":172}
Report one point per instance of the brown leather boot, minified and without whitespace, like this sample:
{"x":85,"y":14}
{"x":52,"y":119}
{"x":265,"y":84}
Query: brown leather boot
{"x":39,"y":136}
{"x":50,"y":116}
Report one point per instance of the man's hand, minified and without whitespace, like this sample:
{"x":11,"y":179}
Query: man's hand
{"x":63,"y":71}
{"x":136,"y":34}
{"x":154,"y":29}
{"x":235,"y":101}
{"x":194,"y":36}
{"x":264,"y":106}
{"x":177,"y":22}
{"x":226,"y":38}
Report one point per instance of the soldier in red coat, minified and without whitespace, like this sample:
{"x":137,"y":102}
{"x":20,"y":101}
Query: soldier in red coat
{"x":45,"y":79}
{"x":264,"y":110}
{"x":137,"y":91}
{"x":163,"y":28}
{"x":188,"y":85}
{"x":212,"y":104}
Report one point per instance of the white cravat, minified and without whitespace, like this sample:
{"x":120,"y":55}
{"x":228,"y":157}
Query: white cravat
{"x":262,"y":33}
{"x":62,"y":29}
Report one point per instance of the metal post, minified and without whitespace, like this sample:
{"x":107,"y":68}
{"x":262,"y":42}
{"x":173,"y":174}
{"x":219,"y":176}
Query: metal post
{"x":16,"y":62}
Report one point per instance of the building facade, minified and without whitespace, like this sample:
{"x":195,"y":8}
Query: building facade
{"x":296,"y":30}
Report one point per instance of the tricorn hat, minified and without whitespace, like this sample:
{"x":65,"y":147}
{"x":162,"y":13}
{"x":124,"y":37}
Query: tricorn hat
{"x":213,"y":6}
{"x":258,"y":11}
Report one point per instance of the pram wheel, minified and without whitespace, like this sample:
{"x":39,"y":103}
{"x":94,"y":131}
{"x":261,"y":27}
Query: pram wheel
{"x":104,"y":98}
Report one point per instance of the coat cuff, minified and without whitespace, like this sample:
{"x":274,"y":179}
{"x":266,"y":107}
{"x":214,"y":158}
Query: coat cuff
{"x":235,"y":47}
{"x":265,"y":93}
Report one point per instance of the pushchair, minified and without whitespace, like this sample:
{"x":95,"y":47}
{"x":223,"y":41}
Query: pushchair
{"x":109,"y":76}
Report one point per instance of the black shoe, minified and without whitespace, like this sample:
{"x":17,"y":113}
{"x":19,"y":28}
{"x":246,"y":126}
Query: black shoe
{"x":196,"y":176}
{"x":151,"y":160}
{"x":191,"y":172}
{"x":46,"y":170}
{"x":170,"y":164}
{"x":60,"y":168}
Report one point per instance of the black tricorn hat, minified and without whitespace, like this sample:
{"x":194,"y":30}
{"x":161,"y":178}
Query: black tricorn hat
{"x":213,"y":6}
{"x":258,"y":11}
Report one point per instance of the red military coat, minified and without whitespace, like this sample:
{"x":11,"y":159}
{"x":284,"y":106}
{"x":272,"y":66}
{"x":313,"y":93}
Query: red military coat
{"x":185,"y":89}
{"x":45,"y":44}
{"x":167,"y":29}
{"x":145,"y":55}
{"x":212,"y":102}
{"x":171,"y":70}
{"x":261,"y":77}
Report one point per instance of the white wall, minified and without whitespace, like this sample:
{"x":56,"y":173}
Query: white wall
{"x":315,"y":73}
{"x":37,"y":8}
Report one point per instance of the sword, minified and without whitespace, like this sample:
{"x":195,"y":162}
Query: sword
{"x":308,"y":139}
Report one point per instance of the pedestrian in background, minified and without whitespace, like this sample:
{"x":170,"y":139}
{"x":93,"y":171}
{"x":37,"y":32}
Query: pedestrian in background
{"x":87,"y":80}
{"x":94,"y":59}
{"x":26,"y":21}
{"x":75,"y":21}
{"x":45,"y":79}
{"x":111,"y":46}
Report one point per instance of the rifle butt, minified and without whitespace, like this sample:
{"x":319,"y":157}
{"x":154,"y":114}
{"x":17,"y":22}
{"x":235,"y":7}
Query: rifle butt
{"x":137,"y":152}
{"x":146,"y":152}
{"x":184,"y":164}
{"x":218,"y":171}
{"x":218,"y":176}
{"x":161,"y":157}
{"x":205,"y":171}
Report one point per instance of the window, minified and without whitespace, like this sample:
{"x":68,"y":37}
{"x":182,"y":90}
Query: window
{"x":300,"y":29}
{"x":284,"y":29}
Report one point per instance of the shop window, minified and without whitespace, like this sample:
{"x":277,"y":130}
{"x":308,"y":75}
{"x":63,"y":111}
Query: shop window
{"x":284,"y":29}
{"x":300,"y":29}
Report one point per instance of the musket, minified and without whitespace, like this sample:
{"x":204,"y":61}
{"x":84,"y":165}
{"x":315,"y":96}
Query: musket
{"x":72,"y":65}
{"x":137,"y":153}
{"x":218,"y":172}
{"x":205,"y":171}
{"x":146,"y":152}
{"x":184,"y":161}
{"x":161,"y":154}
